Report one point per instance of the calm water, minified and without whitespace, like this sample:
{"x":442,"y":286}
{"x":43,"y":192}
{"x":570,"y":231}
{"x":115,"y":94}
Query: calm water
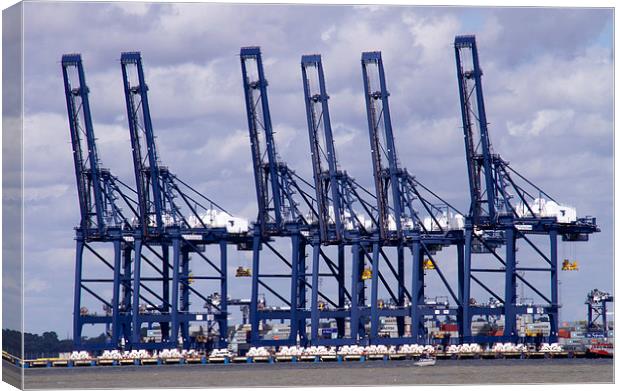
{"x":317,"y":374}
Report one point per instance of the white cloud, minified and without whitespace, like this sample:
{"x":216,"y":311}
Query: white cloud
{"x":327,"y":34}
{"x":227,"y":149}
{"x":442,"y":30}
{"x":583,"y":82}
{"x":369,"y":7}
{"x":35,"y":286}
{"x":548,"y":121}
{"x":43,"y":193}
{"x":134,"y":8}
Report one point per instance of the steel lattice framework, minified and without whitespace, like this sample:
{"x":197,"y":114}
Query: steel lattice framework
{"x":279,"y":193}
{"x":346,"y":214}
{"x":158,"y":233}
{"x":104,"y":225}
{"x":400,"y":203}
{"x":145,"y":237}
{"x":494,"y":220}
{"x":596,"y":301}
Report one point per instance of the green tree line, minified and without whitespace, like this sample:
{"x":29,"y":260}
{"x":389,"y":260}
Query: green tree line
{"x":36,"y":345}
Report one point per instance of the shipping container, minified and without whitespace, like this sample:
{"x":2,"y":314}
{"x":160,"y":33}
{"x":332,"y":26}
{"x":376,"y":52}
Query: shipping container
{"x":449,"y":327}
{"x":564,"y":333}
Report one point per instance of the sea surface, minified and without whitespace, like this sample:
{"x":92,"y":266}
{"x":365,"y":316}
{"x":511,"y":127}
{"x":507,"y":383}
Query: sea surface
{"x":320,"y":374}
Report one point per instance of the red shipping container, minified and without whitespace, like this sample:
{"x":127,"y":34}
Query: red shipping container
{"x":564,"y":333}
{"x":449,"y":327}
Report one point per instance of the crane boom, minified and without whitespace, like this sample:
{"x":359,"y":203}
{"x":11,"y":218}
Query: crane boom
{"x":146,"y":166}
{"x":382,"y":143}
{"x":477,"y":144}
{"x":276,"y":184}
{"x":85,"y":158}
{"x":262,"y":143}
{"x":324,"y":162}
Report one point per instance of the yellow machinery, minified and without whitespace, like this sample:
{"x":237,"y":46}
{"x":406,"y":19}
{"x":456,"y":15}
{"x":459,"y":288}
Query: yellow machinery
{"x":536,"y":329}
{"x":367,"y":274}
{"x":428,"y":265}
{"x":190,"y":278}
{"x":243,"y":272}
{"x":570,"y":266}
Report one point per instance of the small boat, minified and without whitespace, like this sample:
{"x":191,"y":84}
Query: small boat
{"x":602,"y":349}
{"x":425,"y":362}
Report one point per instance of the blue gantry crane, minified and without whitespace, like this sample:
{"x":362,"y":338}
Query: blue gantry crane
{"x":596,"y":302}
{"x":279,"y":193}
{"x":346,"y":217}
{"x":107,"y":208}
{"x":150,"y":222}
{"x":142,"y":226}
{"x":155,"y":230}
{"x":174,"y":215}
{"x":399,"y":203}
{"x":495,"y":220}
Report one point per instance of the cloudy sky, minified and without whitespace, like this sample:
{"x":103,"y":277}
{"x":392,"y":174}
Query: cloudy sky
{"x":548,"y":85}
